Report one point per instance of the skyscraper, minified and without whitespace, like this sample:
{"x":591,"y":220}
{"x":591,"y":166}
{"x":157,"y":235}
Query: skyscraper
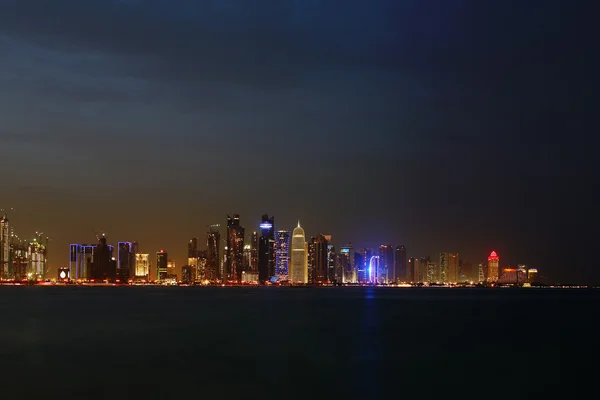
{"x":266,"y":248}
{"x":235,"y":249}
{"x":4,"y":247}
{"x":493,"y":267}
{"x":401,"y":272}
{"x":414,"y":267}
{"x":125,"y":261}
{"x":347,"y":261}
{"x":386,"y":262}
{"x":321,"y":265}
{"x":299,"y":257}
{"x":161,"y":265}
{"x":37,"y":257}
{"x":432,"y":273}
{"x":103,"y":266}
{"x":142,"y":266}
{"x":254,"y":253}
{"x":282,"y":255}
{"x":452,"y":261}
{"x":310,"y":249}
{"x":213,"y":260}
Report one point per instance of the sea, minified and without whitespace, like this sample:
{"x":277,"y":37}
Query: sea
{"x":285,"y":342}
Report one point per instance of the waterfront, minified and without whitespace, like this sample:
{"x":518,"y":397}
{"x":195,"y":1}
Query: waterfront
{"x":117,"y":342}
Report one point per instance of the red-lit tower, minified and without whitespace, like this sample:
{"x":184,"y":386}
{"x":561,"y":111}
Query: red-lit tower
{"x":493,"y":267}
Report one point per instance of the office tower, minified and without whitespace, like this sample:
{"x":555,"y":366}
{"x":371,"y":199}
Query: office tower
{"x":247,"y":257}
{"x":213,"y":260}
{"x":235,"y":249}
{"x":171,"y":270}
{"x":125,"y":261}
{"x":266,"y":249}
{"x":448,"y":268}
{"x":321,"y":266}
{"x":401,"y":272}
{"x":423,"y":271}
{"x":310,"y":250}
{"x":254,"y":253}
{"x":331,"y":262}
{"x":493,"y":267}
{"x":414,"y":268}
{"x":299,"y":257}
{"x":193,"y":248}
{"x":362,"y":266}
{"x":432,"y":273}
{"x":480,"y":273}
{"x":37,"y":258}
{"x":200,"y":272}
{"x":467,"y":273}
{"x":4,"y":247}
{"x":162,"y":264}
{"x":282,"y":255}
{"x":386,"y":263}
{"x":103,"y":266}
{"x":142,"y":266}
{"x":375,"y":271}
{"x":187,"y":274}
{"x":81,"y":257}
{"x":19,"y":261}
{"x":348,"y":264}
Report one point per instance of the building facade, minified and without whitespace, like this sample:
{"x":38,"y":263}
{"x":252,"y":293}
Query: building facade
{"x":282,"y":255}
{"x":299,"y":257}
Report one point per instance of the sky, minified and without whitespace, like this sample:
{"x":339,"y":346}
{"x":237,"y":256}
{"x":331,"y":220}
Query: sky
{"x":457,"y":126}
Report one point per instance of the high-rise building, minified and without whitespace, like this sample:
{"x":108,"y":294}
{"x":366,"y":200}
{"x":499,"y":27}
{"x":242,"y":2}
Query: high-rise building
{"x":299,"y":258}
{"x":4,"y":248}
{"x":187,"y":274}
{"x":104,"y":267}
{"x":200,"y":272}
{"x":254,"y":253}
{"x":347,"y":261}
{"x":401,"y":272}
{"x":311,"y":246}
{"x":162,"y":263}
{"x":193,"y":248}
{"x":423,"y":268}
{"x":321,"y":265}
{"x":142,"y":266}
{"x":247,"y":257}
{"x":362,"y":260}
{"x":448,"y":268}
{"x":386,"y":262}
{"x":282,"y":255}
{"x":414,"y":267}
{"x":213,"y":260}
{"x":493,"y":267}
{"x":532,"y":274}
{"x":81,"y":257}
{"x":480,"y":273}
{"x":235,"y":249}
{"x":38,"y":250}
{"x":332,"y":262}
{"x":171,"y":270}
{"x":376,"y":271}
{"x":266,"y":249}
{"x":125,"y":261}
{"x":432,"y":273}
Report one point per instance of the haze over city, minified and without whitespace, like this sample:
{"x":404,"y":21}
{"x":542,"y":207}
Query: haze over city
{"x":444,"y":126}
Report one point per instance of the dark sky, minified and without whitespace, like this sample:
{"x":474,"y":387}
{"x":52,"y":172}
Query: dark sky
{"x":442,"y":125}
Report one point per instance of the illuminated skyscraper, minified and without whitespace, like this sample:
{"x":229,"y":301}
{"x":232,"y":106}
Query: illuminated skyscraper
{"x":171,"y":270}
{"x":213,"y":260}
{"x":142,"y":266}
{"x":386,"y":263}
{"x":414,"y":267}
{"x":432,"y":272}
{"x":321,"y":265}
{"x":247,"y":258}
{"x":4,"y":248}
{"x":104,"y":267}
{"x":480,"y":273}
{"x":37,"y":257}
{"x":254,"y":253}
{"x":282,"y":255}
{"x":266,"y":249}
{"x":401,"y":272}
{"x":299,"y":257}
{"x":310,"y":249}
{"x":493,"y":267}
{"x":448,"y":268}
{"x":347,"y":261}
{"x":161,"y":265}
{"x":235,"y":249}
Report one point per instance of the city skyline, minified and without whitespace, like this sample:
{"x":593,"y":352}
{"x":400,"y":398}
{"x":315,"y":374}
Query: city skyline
{"x":440,"y":125}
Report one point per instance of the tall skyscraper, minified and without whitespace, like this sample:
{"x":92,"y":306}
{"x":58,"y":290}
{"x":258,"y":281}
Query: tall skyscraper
{"x":213,"y":260}
{"x":299,"y":257}
{"x":432,"y":273}
{"x":448,"y":268}
{"x":493,"y":267}
{"x":424,"y":269}
{"x":401,"y":272}
{"x":282,"y":255}
{"x":37,"y":258}
{"x":480,"y":273}
{"x":321,"y":265}
{"x":414,"y":267}
{"x":310,"y":249}
{"x":193,"y":248}
{"x":103,"y":267}
{"x":347,"y":261}
{"x":235,"y":249}
{"x":142,"y":266}
{"x":125,"y":261}
{"x":266,"y":249}
{"x":4,"y":247}
{"x":171,"y":270}
{"x":162,"y":262}
{"x":386,"y":262}
{"x":254,"y":253}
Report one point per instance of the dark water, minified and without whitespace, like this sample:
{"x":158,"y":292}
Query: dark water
{"x":150,"y":342}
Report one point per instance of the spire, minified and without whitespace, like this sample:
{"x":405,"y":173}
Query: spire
{"x":298,"y":223}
